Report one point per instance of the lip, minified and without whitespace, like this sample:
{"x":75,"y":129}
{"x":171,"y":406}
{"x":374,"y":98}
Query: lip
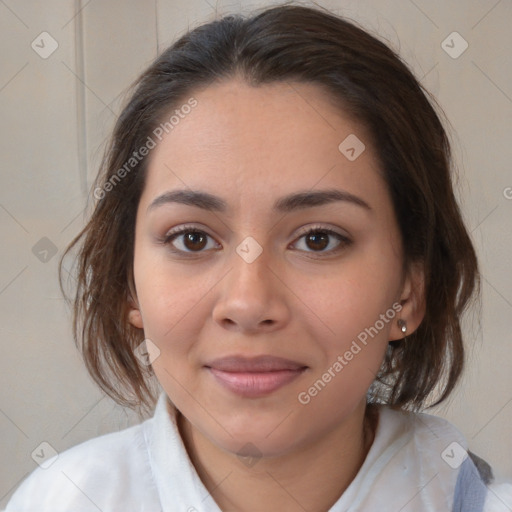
{"x":256,"y":376}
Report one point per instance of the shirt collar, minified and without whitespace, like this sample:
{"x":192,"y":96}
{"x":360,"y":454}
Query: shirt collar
{"x":407,"y":451}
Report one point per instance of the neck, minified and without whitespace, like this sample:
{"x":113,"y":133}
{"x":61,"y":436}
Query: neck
{"x":312,"y":477}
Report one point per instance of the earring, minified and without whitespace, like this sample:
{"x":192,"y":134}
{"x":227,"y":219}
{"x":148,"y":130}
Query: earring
{"x":402,"y":325}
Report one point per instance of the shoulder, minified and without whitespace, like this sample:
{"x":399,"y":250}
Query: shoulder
{"x":77,"y":478}
{"x":499,"y":498}
{"x":421,"y":427}
{"x":429,"y":451}
{"x":438,"y":443}
{"x":424,"y":434}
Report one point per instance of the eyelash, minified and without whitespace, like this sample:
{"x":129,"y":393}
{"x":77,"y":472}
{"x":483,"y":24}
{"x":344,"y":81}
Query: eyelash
{"x":343,"y":240}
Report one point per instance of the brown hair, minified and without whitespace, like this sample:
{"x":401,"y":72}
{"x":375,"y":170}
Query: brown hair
{"x":370,"y":82}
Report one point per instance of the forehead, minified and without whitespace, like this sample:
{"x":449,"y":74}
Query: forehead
{"x":262,"y":142}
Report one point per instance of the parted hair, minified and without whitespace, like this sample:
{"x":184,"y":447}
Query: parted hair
{"x":370,"y":82}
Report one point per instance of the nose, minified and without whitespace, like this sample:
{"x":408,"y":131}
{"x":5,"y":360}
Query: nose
{"x":252,"y":296}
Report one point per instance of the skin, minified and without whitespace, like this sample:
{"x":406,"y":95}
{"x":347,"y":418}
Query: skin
{"x":251,"y":146}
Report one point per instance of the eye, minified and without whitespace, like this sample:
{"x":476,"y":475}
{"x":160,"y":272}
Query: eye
{"x":318,"y":239}
{"x":188,"y":239}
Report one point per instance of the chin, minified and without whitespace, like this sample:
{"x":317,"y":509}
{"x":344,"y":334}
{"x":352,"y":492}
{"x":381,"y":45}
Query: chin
{"x":267,"y":441}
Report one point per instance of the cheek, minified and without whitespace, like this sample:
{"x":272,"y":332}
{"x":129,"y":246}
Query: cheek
{"x":171,"y":316}
{"x":352,"y":301}
{"x":175,"y":326}
{"x":359,"y":314}
{"x":333,"y":393}
{"x":169,"y":297}
{"x":356,"y":310}
{"x":178,"y":369}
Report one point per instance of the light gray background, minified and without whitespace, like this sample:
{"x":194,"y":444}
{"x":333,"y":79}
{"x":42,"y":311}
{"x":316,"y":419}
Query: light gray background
{"x":56,"y":113}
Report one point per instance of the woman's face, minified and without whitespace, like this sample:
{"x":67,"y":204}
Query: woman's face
{"x":267,"y":335}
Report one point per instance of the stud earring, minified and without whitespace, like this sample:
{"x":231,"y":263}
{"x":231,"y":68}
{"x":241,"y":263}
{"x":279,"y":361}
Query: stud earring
{"x":402,"y":325}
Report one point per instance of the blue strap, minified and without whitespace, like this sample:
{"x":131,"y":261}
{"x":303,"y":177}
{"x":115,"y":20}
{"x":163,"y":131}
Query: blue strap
{"x":470,"y":490}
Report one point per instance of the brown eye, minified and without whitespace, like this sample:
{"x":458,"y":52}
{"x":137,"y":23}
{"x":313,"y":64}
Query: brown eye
{"x":188,"y":240}
{"x":322,"y":241}
{"x":317,"y":241}
{"x":194,"y":240}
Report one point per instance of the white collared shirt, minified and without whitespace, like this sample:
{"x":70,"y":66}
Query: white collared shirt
{"x":417,"y":463}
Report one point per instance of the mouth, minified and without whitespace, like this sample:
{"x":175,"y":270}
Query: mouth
{"x":255,"y":377}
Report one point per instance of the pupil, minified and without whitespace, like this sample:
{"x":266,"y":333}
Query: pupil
{"x":315,"y":238}
{"x":193,"y":238}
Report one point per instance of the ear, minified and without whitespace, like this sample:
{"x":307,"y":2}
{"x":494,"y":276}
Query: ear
{"x":135,"y":318}
{"x":134,"y":314}
{"x":412,"y":300}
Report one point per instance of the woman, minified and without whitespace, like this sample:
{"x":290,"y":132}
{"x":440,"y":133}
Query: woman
{"x":277,"y":241}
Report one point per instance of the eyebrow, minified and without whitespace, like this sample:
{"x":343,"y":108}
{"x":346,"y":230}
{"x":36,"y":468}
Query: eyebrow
{"x":285,"y":204}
